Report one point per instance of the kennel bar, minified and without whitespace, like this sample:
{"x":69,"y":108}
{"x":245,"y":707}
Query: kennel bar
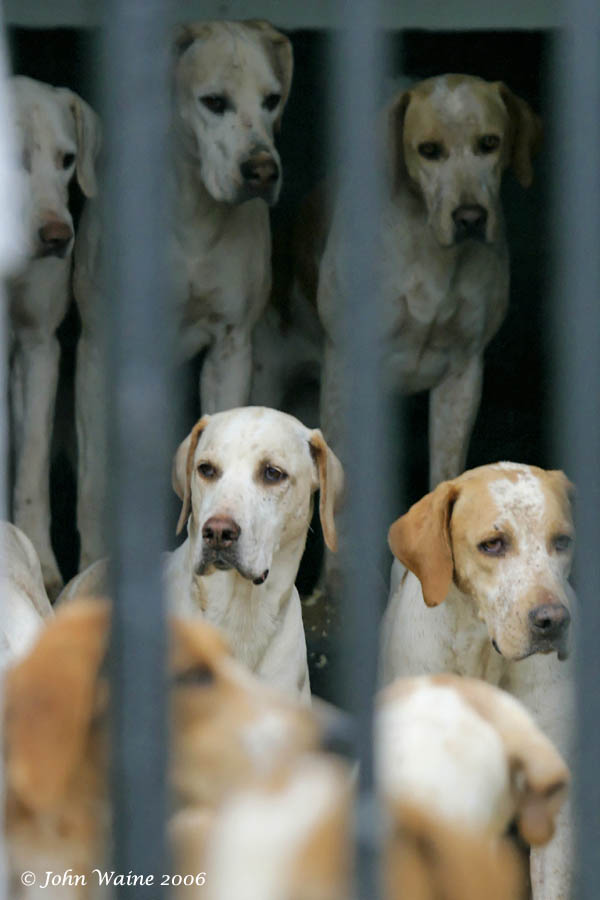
{"x":134,"y":56}
{"x":576,"y":382}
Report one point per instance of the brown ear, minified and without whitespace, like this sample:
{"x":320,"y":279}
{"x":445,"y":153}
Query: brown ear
{"x":49,"y":703}
{"x":420,"y":539}
{"x":330,"y":483}
{"x":396,"y":110}
{"x":526,"y":134}
{"x":181,"y":471}
{"x":87,"y":126}
{"x":559,"y":479}
{"x":185,"y":35}
{"x":281,"y":56}
{"x":539,"y":774}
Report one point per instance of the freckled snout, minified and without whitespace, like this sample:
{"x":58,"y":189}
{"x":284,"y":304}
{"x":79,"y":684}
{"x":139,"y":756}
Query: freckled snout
{"x":260,"y":173}
{"x":549,"y":623}
{"x":54,"y":237}
{"x":220,"y":532}
{"x":470,"y":221}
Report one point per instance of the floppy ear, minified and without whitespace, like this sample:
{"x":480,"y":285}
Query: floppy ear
{"x":526,"y":129}
{"x":559,"y":480}
{"x":539,"y":774}
{"x":330,"y":483}
{"x":420,"y":539}
{"x":281,"y":56}
{"x":181,"y":472}
{"x":395,"y":112}
{"x":185,"y":35}
{"x":88,"y":130}
{"x":49,"y":703}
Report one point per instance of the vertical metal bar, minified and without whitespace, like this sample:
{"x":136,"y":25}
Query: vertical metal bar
{"x":358,"y":83}
{"x":576,"y":216}
{"x":135,"y":233}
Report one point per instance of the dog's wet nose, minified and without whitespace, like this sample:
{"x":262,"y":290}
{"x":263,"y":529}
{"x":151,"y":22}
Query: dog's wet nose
{"x":220,"y":531}
{"x":549,"y":621}
{"x":55,"y":237}
{"x":260,"y":171}
{"x":469,"y":221}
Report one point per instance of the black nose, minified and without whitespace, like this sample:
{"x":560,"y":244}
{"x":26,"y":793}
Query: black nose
{"x":220,"y":531}
{"x":549,"y":621}
{"x":55,"y":237}
{"x":260,"y":171}
{"x":469,"y":221}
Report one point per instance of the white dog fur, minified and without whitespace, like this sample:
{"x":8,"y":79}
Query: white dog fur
{"x":246,"y":478}
{"x":25,"y":604}
{"x":231,"y":81}
{"x":444,"y":266}
{"x":480,"y":588}
{"x":59,"y":139}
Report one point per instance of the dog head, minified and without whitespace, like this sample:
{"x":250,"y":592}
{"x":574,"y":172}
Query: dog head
{"x":232,"y":81}
{"x":59,"y":138}
{"x":246,"y":478}
{"x":451,"y":138}
{"x":503,"y":534}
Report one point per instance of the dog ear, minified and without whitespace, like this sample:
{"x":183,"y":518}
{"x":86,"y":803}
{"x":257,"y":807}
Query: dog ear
{"x":185,"y":35}
{"x":281,"y":56}
{"x":395,"y":113}
{"x":49,"y":703}
{"x":88,"y":130}
{"x":538,"y":772}
{"x":526,"y":129}
{"x":330,"y":483}
{"x":181,"y":471}
{"x":420,"y":539}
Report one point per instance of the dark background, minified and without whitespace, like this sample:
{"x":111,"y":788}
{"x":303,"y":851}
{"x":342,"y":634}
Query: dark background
{"x":514,"y":414}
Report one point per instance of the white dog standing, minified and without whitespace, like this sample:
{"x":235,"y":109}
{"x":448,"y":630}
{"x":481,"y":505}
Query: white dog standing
{"x":481,"y":589}
{"x":231,"y":81}
{"x":59,"y":140}
{"x":444,"y":266}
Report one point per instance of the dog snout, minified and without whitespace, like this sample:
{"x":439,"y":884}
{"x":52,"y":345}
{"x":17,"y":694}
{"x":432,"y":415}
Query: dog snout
{"x":219,"y":532}
{"x":549,"y":621}
{"x":469,"y":220}
{"x":260,"y":172}
{"x":55,"y":237}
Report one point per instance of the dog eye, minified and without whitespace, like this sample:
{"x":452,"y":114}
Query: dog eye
{"x":494,"y":547}
{"x":488,"y":143}
{"x":273,"y":475}
{"x":199,"y":675}
{"x":68,"y":160}
{"x":431,"y":150}
{"x":208,"y":471}
{"x":562,"y":542}
{"x":271,"y":101}
{"x":215,"y":102}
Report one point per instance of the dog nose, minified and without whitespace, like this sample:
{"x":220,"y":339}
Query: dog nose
{"x":469,"y":220}
{"x":549,"y":620}
{"x":260,"y":171}
{"x":220,"y":531}
{"x":55,"y":236}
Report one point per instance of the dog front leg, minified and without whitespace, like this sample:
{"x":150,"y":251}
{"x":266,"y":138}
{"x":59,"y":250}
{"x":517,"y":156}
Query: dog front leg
{"x":453,"y":406}
{"x":227,"y":371}
{"x":33,"y":390}
{"x":90,"y":417}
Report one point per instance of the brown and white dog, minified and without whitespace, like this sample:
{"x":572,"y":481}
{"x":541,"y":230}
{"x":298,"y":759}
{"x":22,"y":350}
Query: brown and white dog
{"x":443,"y":257}
{"x":480,"y":588}
{"x":226,"y":729}
{"x":246,"y":478}
{"x":231,"y":81}
{"x":59,"y":139}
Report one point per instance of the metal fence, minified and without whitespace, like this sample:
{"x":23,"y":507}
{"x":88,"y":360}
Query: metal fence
{"x":134,"y":80}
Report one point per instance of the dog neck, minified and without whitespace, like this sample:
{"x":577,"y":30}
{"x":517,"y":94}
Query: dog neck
{"x":467,"y":648}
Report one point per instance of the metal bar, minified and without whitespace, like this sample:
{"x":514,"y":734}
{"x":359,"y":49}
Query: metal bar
{"x":359,"y":76}
{"x":576,"y":216}
{"x":136,"y":229}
